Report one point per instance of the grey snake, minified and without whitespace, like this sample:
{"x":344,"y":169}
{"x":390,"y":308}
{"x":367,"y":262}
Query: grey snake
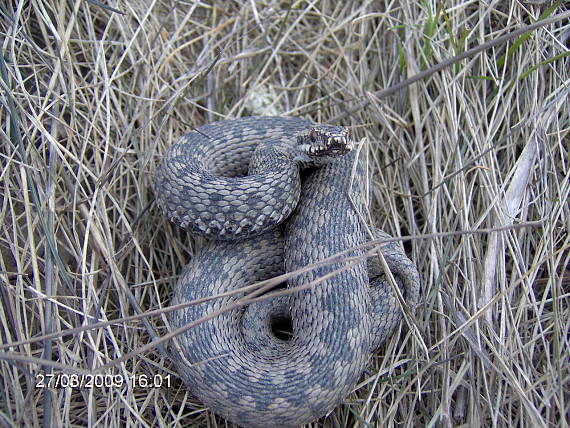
{"x":239,"y":182}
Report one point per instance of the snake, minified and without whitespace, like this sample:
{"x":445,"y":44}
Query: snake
{"x":277,"y":195}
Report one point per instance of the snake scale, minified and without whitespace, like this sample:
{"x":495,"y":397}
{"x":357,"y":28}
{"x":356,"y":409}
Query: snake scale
{"x":239,"y":181}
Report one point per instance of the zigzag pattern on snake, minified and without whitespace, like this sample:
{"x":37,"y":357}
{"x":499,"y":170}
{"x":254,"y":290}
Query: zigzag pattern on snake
{"x":235,"y":363}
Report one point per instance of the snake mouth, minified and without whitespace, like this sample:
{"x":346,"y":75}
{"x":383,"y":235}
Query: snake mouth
{"x":326,"y":141}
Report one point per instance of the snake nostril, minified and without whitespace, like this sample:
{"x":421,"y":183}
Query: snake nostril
{"x":282,"y":328}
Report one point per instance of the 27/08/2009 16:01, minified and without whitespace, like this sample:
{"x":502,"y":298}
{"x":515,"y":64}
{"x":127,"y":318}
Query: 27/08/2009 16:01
{"x":73,"y":380}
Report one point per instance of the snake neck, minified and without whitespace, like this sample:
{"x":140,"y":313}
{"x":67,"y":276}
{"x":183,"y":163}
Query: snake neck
{"x":274,"y":154}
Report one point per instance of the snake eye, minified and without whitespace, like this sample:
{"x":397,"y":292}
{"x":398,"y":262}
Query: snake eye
{"x":313,"y":136}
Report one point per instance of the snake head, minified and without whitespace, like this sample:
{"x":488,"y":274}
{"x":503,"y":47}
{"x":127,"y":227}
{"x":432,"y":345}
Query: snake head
{"x":324,"y":141}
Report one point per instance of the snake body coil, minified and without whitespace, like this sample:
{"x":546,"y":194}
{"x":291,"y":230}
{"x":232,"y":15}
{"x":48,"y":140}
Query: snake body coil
{"x":234,"y":362}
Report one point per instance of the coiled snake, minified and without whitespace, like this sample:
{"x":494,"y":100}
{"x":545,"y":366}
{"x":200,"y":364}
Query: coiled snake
{"x":236,"y":363}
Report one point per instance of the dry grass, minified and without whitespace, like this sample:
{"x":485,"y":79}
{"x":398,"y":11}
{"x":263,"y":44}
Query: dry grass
{"x":91,"y":98}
